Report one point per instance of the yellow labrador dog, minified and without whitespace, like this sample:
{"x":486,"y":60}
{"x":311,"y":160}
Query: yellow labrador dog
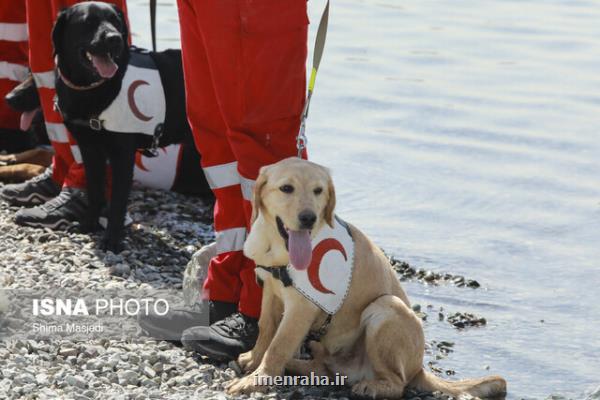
{"x":374,"y":339}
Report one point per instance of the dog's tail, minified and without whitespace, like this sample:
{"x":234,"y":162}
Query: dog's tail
{"x":490,"y":386}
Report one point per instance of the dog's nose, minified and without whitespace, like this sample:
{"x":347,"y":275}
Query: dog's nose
{"x":307,"y":219}
{"x":113,"y":39}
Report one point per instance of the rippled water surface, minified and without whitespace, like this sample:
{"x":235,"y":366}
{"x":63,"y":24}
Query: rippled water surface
{"x":464,"y":137}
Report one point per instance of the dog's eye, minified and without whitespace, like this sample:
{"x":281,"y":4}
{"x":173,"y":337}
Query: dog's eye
{"x":318,"y":191}
{"x":287,"y":188}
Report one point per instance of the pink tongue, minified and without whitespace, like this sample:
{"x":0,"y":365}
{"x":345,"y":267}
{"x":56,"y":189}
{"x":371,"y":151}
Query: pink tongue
{"x":27,"y":119}
{"x":105,"y":66}
{"x":300,"y":249}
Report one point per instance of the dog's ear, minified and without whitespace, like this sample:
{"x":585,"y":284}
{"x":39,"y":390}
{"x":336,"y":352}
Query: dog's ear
{"x":58,"y":30}
{"x":261,"y":181}
{"x":329,"y":211}
{"x":124,"y":24}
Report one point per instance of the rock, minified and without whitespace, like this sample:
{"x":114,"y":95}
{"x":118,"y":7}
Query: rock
{"x":195,"y":273}
{"x":41,"y":379}
{"x":148,"y":371}
{"x":236,"y":368}
{"x":164,"y":345}
{"x":192,"y":376}
{"x":67,"y":352}
{"x":76,"y":381}
{"x":25,"y":378}
{"x":19,"y":359}
{"x":94,"y":365}
{"x":96,"y":264}
{"x":28,"y":388}
{"x":113,"y":360}
{"x":458,"y":280}
{"x":111,"y":258}
{"x":92,"y":351}
{"x":134,"y":359}
{"x":422,"y":315}
{"x":120,"y":269}
{"x":472,"y":284}
{"x":112,"y":377}
{"x":463,"y":320}
{"x":146,"y":382}
{"x":406,"y":272}
{"x":158,"y":367}
{"x":128,"y":377}
{"x":150,"y":357}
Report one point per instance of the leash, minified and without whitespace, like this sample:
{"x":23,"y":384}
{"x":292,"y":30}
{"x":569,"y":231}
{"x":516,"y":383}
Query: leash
{"x":153,"y":23}
{"x":301,"y":140}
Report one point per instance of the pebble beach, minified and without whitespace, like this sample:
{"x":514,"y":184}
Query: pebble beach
{"x":168,"y":229}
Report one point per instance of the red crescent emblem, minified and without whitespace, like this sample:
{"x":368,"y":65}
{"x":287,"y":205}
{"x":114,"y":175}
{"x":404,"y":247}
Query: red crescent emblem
{"x":131,"y":100}
{"x":139,"y":162}
{"x":315,"y":265}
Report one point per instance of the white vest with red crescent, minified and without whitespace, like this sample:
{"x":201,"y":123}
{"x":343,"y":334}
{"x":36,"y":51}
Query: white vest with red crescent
{"x":140,"y":105}
{"x":158,"y":172}
{"x":327,"y":280}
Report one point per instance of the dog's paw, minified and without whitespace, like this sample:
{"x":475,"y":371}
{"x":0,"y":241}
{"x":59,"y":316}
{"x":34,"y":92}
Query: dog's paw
{"x":248,"y":362}
{"x":373,"y":388}
{"x":246,"y":385}
{"x":109,"y":243}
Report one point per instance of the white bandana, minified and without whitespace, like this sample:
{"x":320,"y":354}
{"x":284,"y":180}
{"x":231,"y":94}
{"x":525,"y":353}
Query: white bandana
{"x":327,"y":280}
{"x":140,"y":105}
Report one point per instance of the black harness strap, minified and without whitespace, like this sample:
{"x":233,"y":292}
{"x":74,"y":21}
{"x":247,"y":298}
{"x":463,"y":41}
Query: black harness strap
{"x":280,"y":273}
{"x":93,"y":123}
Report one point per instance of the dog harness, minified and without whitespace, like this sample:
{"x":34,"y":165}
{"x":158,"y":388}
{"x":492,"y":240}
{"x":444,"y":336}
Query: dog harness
{"x":140,"y":105}
{"x":327,"y":279}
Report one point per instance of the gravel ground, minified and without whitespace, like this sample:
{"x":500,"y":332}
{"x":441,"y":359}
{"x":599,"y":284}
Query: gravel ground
{"x":168,"y":228}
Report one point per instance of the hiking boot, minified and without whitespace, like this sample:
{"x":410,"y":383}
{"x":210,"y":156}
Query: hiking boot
{"x":171,"y":325}
{"x":224,"y":340}
{"x":33,"y":192}
{"x":59,"y":213}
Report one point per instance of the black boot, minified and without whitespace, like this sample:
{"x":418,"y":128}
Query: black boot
{"x":59,"y":213}
{"x":33,"y":192}
{"x":224,"y":340}
{"x":171,"y":325}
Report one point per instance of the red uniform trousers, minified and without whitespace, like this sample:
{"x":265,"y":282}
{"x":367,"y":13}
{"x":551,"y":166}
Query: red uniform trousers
{"x":245,"y":74}
{"x":13,"y":56}
{"x":67,"y":163}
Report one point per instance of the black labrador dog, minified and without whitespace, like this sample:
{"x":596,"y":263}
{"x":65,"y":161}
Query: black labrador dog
{"x":114,"y":99}
{"x":25,"y":100}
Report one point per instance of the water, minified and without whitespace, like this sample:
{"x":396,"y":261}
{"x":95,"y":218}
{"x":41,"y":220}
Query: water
{"x":464,"y":137}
